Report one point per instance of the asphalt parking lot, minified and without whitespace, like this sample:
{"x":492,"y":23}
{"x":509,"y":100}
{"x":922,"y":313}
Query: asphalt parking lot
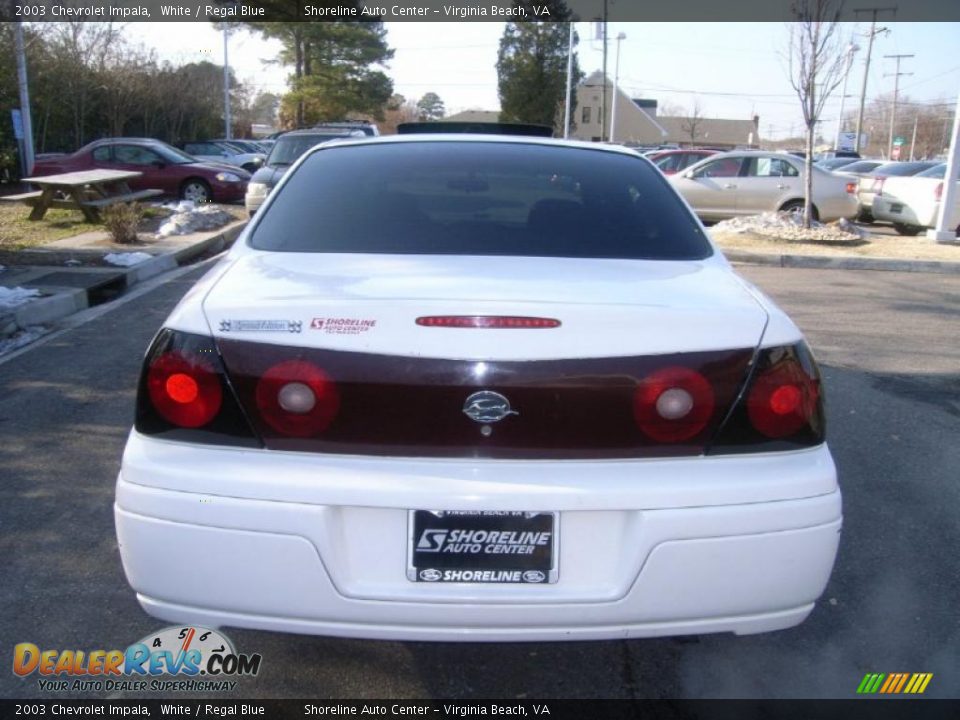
{"x":888,"y":347}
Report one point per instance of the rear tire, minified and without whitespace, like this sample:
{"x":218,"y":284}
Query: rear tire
{"x":908,"y":230}
{"x":196,"y":190}
{"x":796,"y":206}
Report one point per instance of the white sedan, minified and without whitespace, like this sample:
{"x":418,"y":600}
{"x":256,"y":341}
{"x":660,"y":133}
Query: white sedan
{"x":754,"y":182}
{"x":463,"y":387}
{"x":913,"y":203}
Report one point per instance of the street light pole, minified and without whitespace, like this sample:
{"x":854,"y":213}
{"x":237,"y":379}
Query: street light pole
{"x":226,"y":87}
{"x":851,"y":51}
{"x":948,"y":194}
{"x":567,"y":110}
{"x":24,"y":99}
{"x":616,"y":91}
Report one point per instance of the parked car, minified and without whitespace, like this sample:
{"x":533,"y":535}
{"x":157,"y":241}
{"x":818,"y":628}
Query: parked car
{"x":836,"y":154}
{"x":753,"y":182}
{"x":912,"y":203}
{"x":673,"y":161}
{"x":163,"y":167}
{"x":245,"y":146}
{"x":869,"y":184}
{"x":222,"y":151}
{"x":835,"y":163}
{"x":432,"y":394}
{"x":858,"y":168}
{"x":367,"y":128}
{"x":286,"y":150}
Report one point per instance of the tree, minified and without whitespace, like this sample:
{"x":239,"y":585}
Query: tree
{"x":398,"y":110}
{"x":335,"y":73}
{"x":692,"y":121}
{"x":816,"y":66}
{"x":430,"y":107}
{"x":532,"y":66}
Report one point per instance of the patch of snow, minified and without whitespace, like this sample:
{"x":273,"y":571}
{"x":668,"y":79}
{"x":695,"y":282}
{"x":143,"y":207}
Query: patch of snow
{"x":14,"y":297}
{"x":127,"y":259}
{"x":188,"y":218}
{"x":21,"y":338}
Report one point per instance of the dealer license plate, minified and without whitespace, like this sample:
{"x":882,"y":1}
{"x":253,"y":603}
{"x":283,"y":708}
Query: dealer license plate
{"x":503,"y":547}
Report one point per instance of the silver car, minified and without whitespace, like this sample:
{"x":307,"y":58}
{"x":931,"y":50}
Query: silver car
{"x":753,"y":182}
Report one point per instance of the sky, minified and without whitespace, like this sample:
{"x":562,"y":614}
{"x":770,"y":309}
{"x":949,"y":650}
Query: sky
{"x":734,"y":70}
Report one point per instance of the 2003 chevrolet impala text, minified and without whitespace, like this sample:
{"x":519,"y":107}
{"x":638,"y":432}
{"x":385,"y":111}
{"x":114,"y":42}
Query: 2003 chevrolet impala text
{"x":478,"y":388}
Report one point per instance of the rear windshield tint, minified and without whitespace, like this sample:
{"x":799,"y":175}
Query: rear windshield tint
{"x":479,"y":198}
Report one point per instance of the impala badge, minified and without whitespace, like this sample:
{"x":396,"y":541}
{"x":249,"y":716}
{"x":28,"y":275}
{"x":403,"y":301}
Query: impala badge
{"x":487,"y":406}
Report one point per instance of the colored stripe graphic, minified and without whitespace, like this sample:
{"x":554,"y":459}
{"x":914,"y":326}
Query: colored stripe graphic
{"x":894,"y":683}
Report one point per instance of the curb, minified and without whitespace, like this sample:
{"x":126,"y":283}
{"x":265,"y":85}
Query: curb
{"x":62,"y":304}
{"x":842,"y":262}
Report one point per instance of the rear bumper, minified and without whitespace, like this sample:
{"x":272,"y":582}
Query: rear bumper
{"x":327,"y":554}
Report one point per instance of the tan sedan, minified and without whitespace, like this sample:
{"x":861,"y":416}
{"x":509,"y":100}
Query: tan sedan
{"x":753,"y":182}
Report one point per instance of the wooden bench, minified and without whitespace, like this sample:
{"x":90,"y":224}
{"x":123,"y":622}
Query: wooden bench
{"x":26,"y":198}
{"x":128,"y":197}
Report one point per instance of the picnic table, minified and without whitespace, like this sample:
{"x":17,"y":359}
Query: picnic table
{"x":86,"y":190}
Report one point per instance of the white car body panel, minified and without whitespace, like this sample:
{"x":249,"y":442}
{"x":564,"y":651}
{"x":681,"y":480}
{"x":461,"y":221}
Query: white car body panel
{"x":317,"y":543}
{"x":912,"y":201}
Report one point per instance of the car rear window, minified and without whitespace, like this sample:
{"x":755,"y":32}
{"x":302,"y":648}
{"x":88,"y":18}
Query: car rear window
{"x":479,"y":198}
{"x":288,"y":148}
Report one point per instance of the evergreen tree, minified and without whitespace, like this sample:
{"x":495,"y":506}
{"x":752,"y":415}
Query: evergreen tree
{"x":430,"y":107}
{"x":532,"y":68}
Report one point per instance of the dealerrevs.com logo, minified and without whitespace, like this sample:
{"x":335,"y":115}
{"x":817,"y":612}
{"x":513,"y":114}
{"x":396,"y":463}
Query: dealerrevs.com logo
{"x":176,"y":659}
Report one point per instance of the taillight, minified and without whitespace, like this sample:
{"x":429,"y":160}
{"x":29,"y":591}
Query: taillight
{"x":878,"y":185}
{"x":782,"y":399}
{"x":673,"y":404}
{"x":185,"y":395}
{"x":781,"y":406}
{"x":499,"y":322}
{"x":938,"y":192}
{"x":851,"y":188}
{"x":297,"y":398}
{"x":184,"y":389}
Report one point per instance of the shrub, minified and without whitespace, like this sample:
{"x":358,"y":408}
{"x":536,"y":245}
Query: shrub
{"x":122,"y":221}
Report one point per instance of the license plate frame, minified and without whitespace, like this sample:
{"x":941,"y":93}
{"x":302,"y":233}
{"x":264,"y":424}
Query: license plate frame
{"x":534,"y":562}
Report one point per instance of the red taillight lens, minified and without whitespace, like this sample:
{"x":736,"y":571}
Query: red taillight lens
{"x":673,"y":404}
{"x":851,"y":188}
{"x":938,"y":192}
{"x":782,"y":399}
{"x":297,"y":398}
{"x":499,"y":322}
{"x":184,"y":389}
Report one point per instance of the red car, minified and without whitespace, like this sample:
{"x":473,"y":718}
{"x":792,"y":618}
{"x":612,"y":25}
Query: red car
{"x":673,"y":161}
{"x":164,"y":167}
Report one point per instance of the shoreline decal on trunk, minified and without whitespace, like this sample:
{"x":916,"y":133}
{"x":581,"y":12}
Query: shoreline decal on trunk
{"x":342,"y":326}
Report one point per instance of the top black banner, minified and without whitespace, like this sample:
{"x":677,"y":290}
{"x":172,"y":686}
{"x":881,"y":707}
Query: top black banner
{"x":464,"y":10}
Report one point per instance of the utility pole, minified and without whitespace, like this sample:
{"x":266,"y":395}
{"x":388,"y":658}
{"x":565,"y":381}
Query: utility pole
{"x":866,"y":69}
{"x":913,"y":143}
{"x":896,"y":89}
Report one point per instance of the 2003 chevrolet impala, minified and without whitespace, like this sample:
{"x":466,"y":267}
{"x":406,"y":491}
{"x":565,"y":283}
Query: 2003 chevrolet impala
{"x":464,"y":387}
